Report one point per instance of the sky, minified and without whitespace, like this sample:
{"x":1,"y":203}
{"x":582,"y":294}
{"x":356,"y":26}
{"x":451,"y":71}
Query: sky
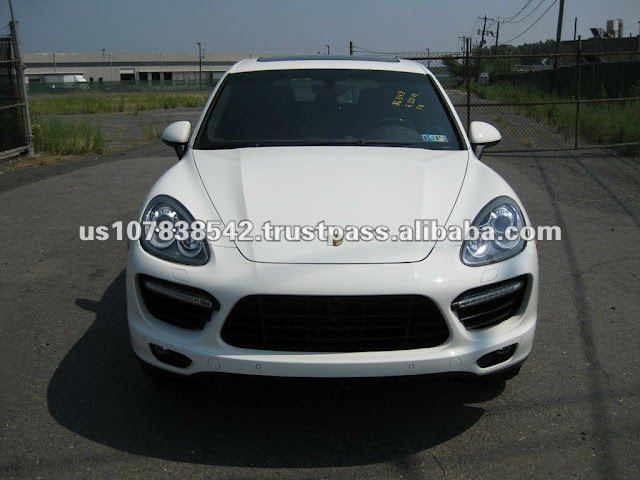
{"x":290,"y":26}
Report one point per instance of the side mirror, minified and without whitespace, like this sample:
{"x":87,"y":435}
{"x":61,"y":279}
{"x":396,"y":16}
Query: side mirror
{"x":176,"y":135}
{"x":483,"y":135}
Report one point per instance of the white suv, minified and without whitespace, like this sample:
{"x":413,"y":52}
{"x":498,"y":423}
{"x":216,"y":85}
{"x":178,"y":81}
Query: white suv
{"x":342,"y":141}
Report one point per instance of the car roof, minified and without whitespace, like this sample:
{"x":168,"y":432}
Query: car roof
{"x":358,"y":58}
{"x":327,"y":62}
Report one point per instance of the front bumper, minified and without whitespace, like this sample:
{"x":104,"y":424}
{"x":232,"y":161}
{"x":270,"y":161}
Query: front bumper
{"x":229,"y":277}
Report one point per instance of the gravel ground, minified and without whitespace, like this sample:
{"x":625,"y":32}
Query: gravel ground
{"x":74,"y":404}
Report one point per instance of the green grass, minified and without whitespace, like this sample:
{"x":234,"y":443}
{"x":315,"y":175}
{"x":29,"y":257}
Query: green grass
{"x":600,"y":123}
{"x":52,"y":135}
{"x":152,"y":131}
{"x":114,"y":102}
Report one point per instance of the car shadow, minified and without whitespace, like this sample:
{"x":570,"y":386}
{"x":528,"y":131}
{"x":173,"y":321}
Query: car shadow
{"x":99,"y":392}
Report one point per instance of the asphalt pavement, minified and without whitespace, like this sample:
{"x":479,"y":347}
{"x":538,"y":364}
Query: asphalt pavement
{"x":74,"y":403}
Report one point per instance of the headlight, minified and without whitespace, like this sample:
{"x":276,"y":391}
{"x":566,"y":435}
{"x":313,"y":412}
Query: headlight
{"x":499,"y":214}
{"x":171,"y":236}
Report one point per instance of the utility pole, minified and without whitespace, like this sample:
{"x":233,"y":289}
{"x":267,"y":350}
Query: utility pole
{"x":484,"y":29}
{"x":558,"y":34}
{"x":575,"y":28}
{"x":199,"y":65}
{"x":463,"y":42}
{"x":497,"y":36}
{"x":104,"y":53}
{"x":350,"y":47}
{"x":428,"y":58}
{"x":328,"y":49}
{"x":22,"y":87}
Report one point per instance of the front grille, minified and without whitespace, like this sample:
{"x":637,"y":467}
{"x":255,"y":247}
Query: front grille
{"x":301,"y":323}
{"x":488,"y":306}
{"x":179,"y":305}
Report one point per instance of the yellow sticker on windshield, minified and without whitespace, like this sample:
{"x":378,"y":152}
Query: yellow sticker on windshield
{"x":408,"y":101}
{"x":398,"y":99}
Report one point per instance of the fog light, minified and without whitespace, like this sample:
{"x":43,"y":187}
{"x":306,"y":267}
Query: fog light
{"x":497,"y":356}
{"x":170,"y":357}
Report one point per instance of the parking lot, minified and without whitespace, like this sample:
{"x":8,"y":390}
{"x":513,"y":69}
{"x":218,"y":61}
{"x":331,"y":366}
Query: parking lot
{"x":74,"y":402}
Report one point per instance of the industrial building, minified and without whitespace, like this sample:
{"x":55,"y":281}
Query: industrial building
{"x":157,"y":68}
{"x":610,"y":42}
{"x":614,"y":29}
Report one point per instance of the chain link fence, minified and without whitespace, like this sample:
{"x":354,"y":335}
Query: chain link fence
{"x":543,"y":102}
{"x":14,"y":130}
{"x":548,"y":102}
{"x":64,"y":88}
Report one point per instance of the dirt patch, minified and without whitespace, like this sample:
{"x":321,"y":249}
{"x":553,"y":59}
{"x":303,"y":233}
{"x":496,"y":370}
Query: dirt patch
{"x":38,"y":160}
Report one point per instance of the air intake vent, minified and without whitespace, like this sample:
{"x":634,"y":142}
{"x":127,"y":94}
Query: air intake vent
{"x":296,"y":323}
{"x":488,"y":306}
{"x":182,"y":306}
{"x":497,"y":356}
{"x":169,"y":356}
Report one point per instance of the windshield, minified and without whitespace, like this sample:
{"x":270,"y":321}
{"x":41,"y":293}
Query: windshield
{"x":328,"y":107}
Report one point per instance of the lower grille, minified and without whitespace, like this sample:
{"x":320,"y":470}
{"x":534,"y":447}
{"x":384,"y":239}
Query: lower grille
{"x":488,"y":306}
{"x":300,"y":323}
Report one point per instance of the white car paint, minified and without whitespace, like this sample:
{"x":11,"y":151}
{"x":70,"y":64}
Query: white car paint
{"x":482,"y":133}
{"x":177,"y":133}
{"x":340,"y":185}
{"x":393,"y":186}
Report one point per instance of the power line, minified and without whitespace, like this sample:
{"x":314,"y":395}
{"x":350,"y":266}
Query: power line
{"x":527,"y":3}
{"x":531,"y":26}
{"x":528,"y":14}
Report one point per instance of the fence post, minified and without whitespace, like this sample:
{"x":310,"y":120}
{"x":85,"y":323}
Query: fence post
{"x":578,"y":69}
{"x":467,"y":75}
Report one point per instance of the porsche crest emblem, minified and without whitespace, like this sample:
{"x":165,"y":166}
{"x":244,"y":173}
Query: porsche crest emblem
{"x":337,"y":241}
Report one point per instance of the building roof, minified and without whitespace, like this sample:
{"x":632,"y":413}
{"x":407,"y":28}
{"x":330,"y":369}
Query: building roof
{"x":602,"y":45}
{"x":211,"y":61}
{"x":64,"y":62}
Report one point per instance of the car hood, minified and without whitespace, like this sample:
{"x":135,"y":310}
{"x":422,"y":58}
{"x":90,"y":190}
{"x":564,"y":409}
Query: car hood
{"x":342,"y":186}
